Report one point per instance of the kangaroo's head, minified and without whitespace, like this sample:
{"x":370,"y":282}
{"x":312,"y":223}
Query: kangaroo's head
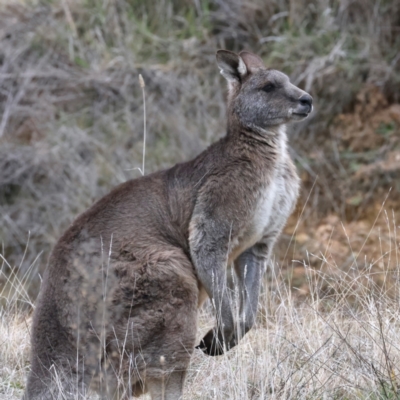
{"x":260,"y":98}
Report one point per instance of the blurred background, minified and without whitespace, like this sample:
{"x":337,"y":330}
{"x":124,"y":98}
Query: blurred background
{"x":71,"y":117}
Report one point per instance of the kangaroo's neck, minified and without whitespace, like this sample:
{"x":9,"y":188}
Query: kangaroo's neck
{"x":262,"y":141}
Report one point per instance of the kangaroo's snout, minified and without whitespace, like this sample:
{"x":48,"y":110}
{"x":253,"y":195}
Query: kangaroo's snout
{"x":304,"y":106}
{"x":306,"y":103}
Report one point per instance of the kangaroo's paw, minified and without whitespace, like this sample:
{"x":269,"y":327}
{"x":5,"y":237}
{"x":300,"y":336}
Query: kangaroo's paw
{"x":212,"y":344}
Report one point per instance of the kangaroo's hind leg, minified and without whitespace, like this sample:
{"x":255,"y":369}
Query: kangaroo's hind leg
{"x":154,"y":319}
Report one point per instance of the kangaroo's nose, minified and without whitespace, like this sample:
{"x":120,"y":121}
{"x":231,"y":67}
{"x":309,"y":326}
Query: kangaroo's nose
{"x":306,"y":100}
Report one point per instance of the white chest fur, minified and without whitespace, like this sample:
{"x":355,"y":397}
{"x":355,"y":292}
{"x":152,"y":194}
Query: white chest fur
{"x":275,"y":204}
{"x":265,"y":207}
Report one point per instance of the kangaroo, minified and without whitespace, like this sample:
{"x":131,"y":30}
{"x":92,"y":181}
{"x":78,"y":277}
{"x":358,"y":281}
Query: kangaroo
{"x":118,"y":306}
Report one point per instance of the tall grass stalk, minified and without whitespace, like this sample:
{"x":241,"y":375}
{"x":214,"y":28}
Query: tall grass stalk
{"x":142,"y":85}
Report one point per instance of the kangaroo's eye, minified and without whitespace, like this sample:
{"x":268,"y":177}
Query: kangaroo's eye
{"x":269,"y":87}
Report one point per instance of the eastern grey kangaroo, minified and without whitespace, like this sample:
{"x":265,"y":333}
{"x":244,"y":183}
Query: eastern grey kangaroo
{"x":118,"y":306}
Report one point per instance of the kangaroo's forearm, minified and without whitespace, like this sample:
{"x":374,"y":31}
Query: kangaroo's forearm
{"x":211,"y":272}
{"x":249,"y":268}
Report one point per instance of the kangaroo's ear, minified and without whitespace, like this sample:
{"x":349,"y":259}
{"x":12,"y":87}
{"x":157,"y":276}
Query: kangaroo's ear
{"x":231,"y":66}
{"x":253,"y":61}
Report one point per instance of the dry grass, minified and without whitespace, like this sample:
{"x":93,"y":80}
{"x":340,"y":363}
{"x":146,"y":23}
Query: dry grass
{"x":14,"y":334}
{"x":14,"y":355}
{"x":341,"y":342}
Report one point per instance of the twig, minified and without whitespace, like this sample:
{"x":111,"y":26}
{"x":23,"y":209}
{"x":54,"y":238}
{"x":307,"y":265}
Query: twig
{"x":142,"y":85}
{"x":69,"y":18}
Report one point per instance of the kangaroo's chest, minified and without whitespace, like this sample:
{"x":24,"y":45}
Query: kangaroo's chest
{"x":275,"y":203}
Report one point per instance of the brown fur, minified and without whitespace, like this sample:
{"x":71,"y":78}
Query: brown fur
{"x":118,"y":307}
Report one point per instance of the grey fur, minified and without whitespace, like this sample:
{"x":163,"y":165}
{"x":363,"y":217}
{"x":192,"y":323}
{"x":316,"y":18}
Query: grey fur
{"x":118,"y":306}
